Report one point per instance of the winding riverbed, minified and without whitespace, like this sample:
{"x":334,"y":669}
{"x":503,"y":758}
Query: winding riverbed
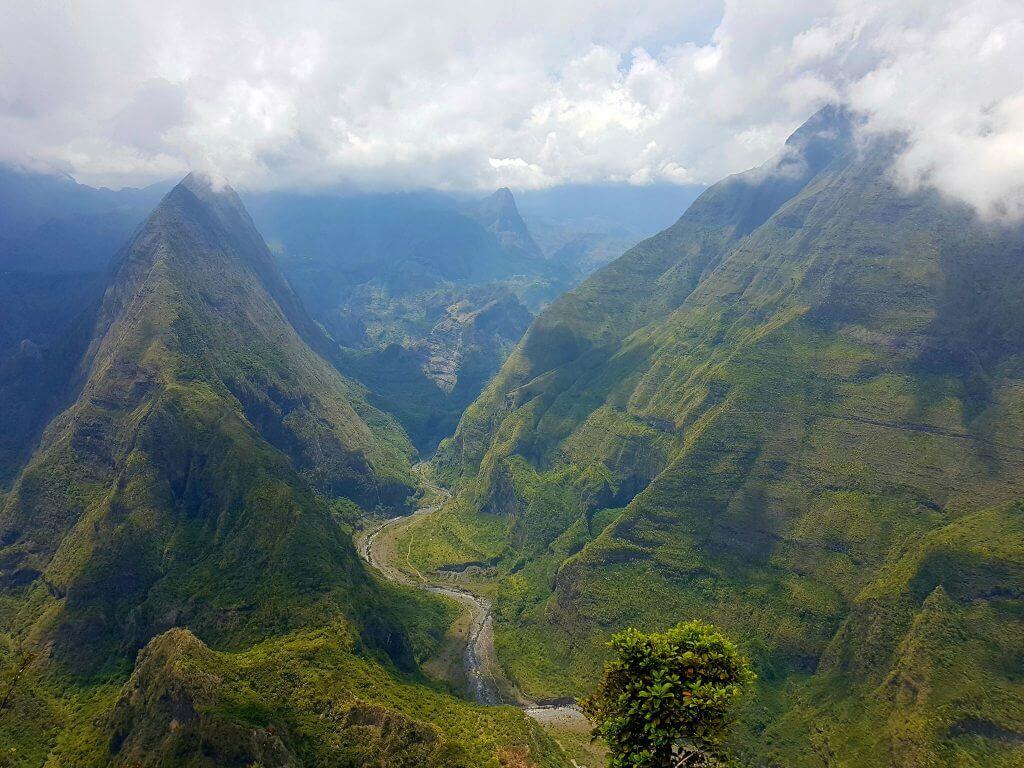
{"x":483,"y":673}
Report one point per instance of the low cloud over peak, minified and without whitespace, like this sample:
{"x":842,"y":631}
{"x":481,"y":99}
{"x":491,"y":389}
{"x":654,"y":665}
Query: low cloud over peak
{"x":472,"y":96}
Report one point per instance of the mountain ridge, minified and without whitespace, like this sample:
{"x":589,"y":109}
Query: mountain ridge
{"x":178,"y":583}
{"x":185,"y":334}
{"x":750,"y":418}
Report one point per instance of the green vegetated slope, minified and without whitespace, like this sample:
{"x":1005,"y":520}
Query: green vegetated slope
{"x":56,"y":238}
{"x":308,"y":698}
{"x":796,"y":413}
{"x":198,"y":487}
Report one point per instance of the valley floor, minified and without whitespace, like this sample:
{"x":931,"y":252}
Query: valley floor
{"x":467,"y":659}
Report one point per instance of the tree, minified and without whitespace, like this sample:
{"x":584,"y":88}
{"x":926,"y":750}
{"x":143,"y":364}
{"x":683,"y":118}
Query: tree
{"x":669,"y":699}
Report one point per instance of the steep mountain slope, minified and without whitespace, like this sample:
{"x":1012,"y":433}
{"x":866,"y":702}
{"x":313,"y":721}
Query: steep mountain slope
{"x":191,"y":503}
{"x":56,"y":239}
{"x":199,"y":406}
{"x":796,"y":412}
{"x":499,"y":215}
{"x":400,"y":280}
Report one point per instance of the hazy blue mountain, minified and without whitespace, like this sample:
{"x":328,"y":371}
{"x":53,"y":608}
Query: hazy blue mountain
{"x":644,"y":210}
{"x":499,"y":215}
{"x":50,"y":223}
{"x":426,"y":293}
{"x":583,"y":226}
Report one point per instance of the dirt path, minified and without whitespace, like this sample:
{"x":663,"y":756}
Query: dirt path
{"x":485,"y":681}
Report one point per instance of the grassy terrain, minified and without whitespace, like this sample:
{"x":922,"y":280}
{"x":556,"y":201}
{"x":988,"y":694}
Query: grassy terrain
{"x":306,"y":698}
{"x":757,"y":418}
{"x":177,"y":578}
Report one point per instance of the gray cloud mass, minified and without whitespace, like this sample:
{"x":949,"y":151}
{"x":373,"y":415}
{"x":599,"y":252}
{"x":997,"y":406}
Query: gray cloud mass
{"x":456,"y":95}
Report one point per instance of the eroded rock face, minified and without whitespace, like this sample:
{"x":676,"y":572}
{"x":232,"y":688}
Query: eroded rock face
{"x":471,"y":340}
{"x":172,"y":708}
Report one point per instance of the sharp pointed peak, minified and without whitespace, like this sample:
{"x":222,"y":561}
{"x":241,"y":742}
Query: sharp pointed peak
{"x":204,"y":184}
{"x":503,"y":195}
{"x":500,"y":202}
{"x":211,"y":191}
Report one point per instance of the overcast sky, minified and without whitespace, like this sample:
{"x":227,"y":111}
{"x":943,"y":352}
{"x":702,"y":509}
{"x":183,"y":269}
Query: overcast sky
{"x":473,"y":95}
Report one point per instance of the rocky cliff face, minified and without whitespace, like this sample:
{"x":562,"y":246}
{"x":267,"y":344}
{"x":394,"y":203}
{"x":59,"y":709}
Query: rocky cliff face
{"x":471,"y":340}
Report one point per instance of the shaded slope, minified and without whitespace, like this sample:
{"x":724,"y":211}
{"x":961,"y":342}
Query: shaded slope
{"x":179,"y":487}
{"x":748,"y":418}
{"x":56,"y":239}
{"x":45,"y":324}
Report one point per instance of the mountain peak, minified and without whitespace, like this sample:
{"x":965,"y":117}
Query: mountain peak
{"x":504,"y":196}
{"x":213,"y":191}
{"x":500,"y":204}
{"x":500,"y":216}
{"x":201,"y":182}
{"x":827,"y":134}
{"x":198,"y":181}
{"x":198,"y":330}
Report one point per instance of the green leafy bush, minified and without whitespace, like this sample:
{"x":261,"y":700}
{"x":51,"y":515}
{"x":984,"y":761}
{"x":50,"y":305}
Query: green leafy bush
{"x":669,"y":699}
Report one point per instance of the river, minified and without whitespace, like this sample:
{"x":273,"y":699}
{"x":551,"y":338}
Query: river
{"x":485,"y":680}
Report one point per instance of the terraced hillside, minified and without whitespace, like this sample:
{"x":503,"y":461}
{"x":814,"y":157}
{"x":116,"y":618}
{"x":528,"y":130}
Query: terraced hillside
{"x":797,"y":413}
{"x":193,"y":502}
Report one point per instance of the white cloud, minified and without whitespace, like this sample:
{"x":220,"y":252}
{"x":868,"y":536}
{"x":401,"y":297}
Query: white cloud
{"x":474,"y":95}
{"x":953,"y":84}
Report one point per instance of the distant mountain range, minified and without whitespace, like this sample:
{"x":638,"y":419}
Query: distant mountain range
{"x":53,"y":224}
{"x":583,"y":227}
